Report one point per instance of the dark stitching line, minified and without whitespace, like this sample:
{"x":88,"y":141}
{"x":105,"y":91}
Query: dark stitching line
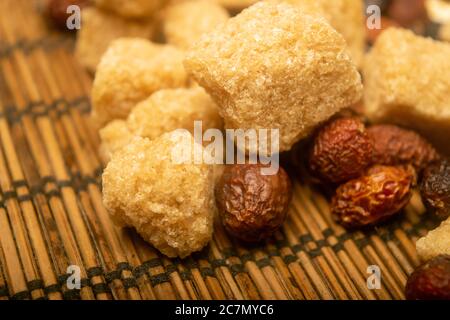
{"x":22,"y":295}
{"x":111,"y":276}
{"x":27,"y":46}
{"x":35,"y":285}
{"x":94,"y":271}
{"x":73,"y":294}
{"x":207,"y":272}
{"x":160,"y":278}
{"x":218,"y":263}
{"x":60,"y":105}
{"x":52,"y":289}
{"x":290,"y":258}
{"x":100,"y":288}
{"x":265,"y":262}
{"x":4,"y":291}
{"x":246,"y":257}
{"x":236,"y":269}
{"x":129,"y":283}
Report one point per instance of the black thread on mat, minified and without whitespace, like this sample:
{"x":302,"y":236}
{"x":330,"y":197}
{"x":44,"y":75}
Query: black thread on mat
{"x":218,"y":263}
{"x":237,"y":268}
{"x":129,"y":283}
{"x":28,"y":46}
{"x":190,"y":264}
{"x":121,"y":266}
{"x":314,"y":253}
{"x":94,"y":272}
{"x":328,"y":232}
{"x":19,"y":184}
{"x":185,"y":275}
{"x":297,"y":248}
{"x":139,"y":271}
{"x":262,"y":263}
{"x":52,"y":289}
{"x":36,"y":109}
{"x":35,"y":285}
{"x":111,"y":276}
{"x":171,"y":268}
{"x":22,"y":295}
{"x":100,"y":288}
{"x":153,"y":263}
{"x":72,"y":294}
{"x":338,"y":247}
{"x":246,"y":257}
{"x":207,"y":272}
{"x":229,"y":252}
{"x":306,"y":238}
{"x":289,"y":259}
{"x":159,"y":278}
{"x":4,"y":291}
{"x":9,"y":195}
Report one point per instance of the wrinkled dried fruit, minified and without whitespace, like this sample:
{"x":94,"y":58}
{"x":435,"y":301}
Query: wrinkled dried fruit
{"x":252,"y":206}
{"x":397,"y":146}
{"x":431,"y":281}
{"x":342,"y":150}
{"x":435,"y":188}
{"x":57,"y":10}
{"x":373,"y":197}
{"x":406,"y":12}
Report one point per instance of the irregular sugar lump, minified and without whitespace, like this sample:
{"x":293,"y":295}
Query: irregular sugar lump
{"x":100,"y":28}
{"x":407,"y":82}
{"x":170,"y":205}
{"x":163,"y":111}
{"x":274,"y":67}
{"x":185,"y":22}
{"x":129,"y":72}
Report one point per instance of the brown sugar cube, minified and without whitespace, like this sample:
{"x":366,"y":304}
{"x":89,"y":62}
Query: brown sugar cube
{"x":100,"y":28}
{"x":346,"y":16}
{"x":186,"y":22}
{"x":436,"y":242}
{"x":444,"y":32}
{"x":114,"y":136}
{"x":407,"y":82}
{"x":274,"y":67}
{"x":131,"y":8}
{"x":130,"y":71}
{"x":162,"y":112}
{"x":170,"y":204}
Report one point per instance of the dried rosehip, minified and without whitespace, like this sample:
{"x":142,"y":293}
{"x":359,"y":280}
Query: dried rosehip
{"x":397,"y":146}
{"x":372,"y":198}
{"x":57,"y":10}
{"x":406,"y":12}
{"x":435,"y":188}
{"x":252,"y":206}
{"x":431,"y":281}
{"x":341,"y":151}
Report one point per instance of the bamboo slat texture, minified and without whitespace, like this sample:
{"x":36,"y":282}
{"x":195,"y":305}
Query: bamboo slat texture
{"x":51,"y":212}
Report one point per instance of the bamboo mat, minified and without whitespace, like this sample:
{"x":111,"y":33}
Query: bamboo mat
{"x":51,"y":213}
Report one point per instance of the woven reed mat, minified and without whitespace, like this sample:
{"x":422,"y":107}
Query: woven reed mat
{"x":51,"y":213}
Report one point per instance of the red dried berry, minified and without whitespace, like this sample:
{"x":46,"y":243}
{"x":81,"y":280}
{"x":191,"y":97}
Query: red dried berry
{"x":372,"y":198}
{"x":435,"y":188}
{"x":431,"y":281}
{"x":397,"y":146}
{"x":57,"y":10}
{"x":341,"y":151}
{"x":252,"y":206}
{"x":406,"y":12}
